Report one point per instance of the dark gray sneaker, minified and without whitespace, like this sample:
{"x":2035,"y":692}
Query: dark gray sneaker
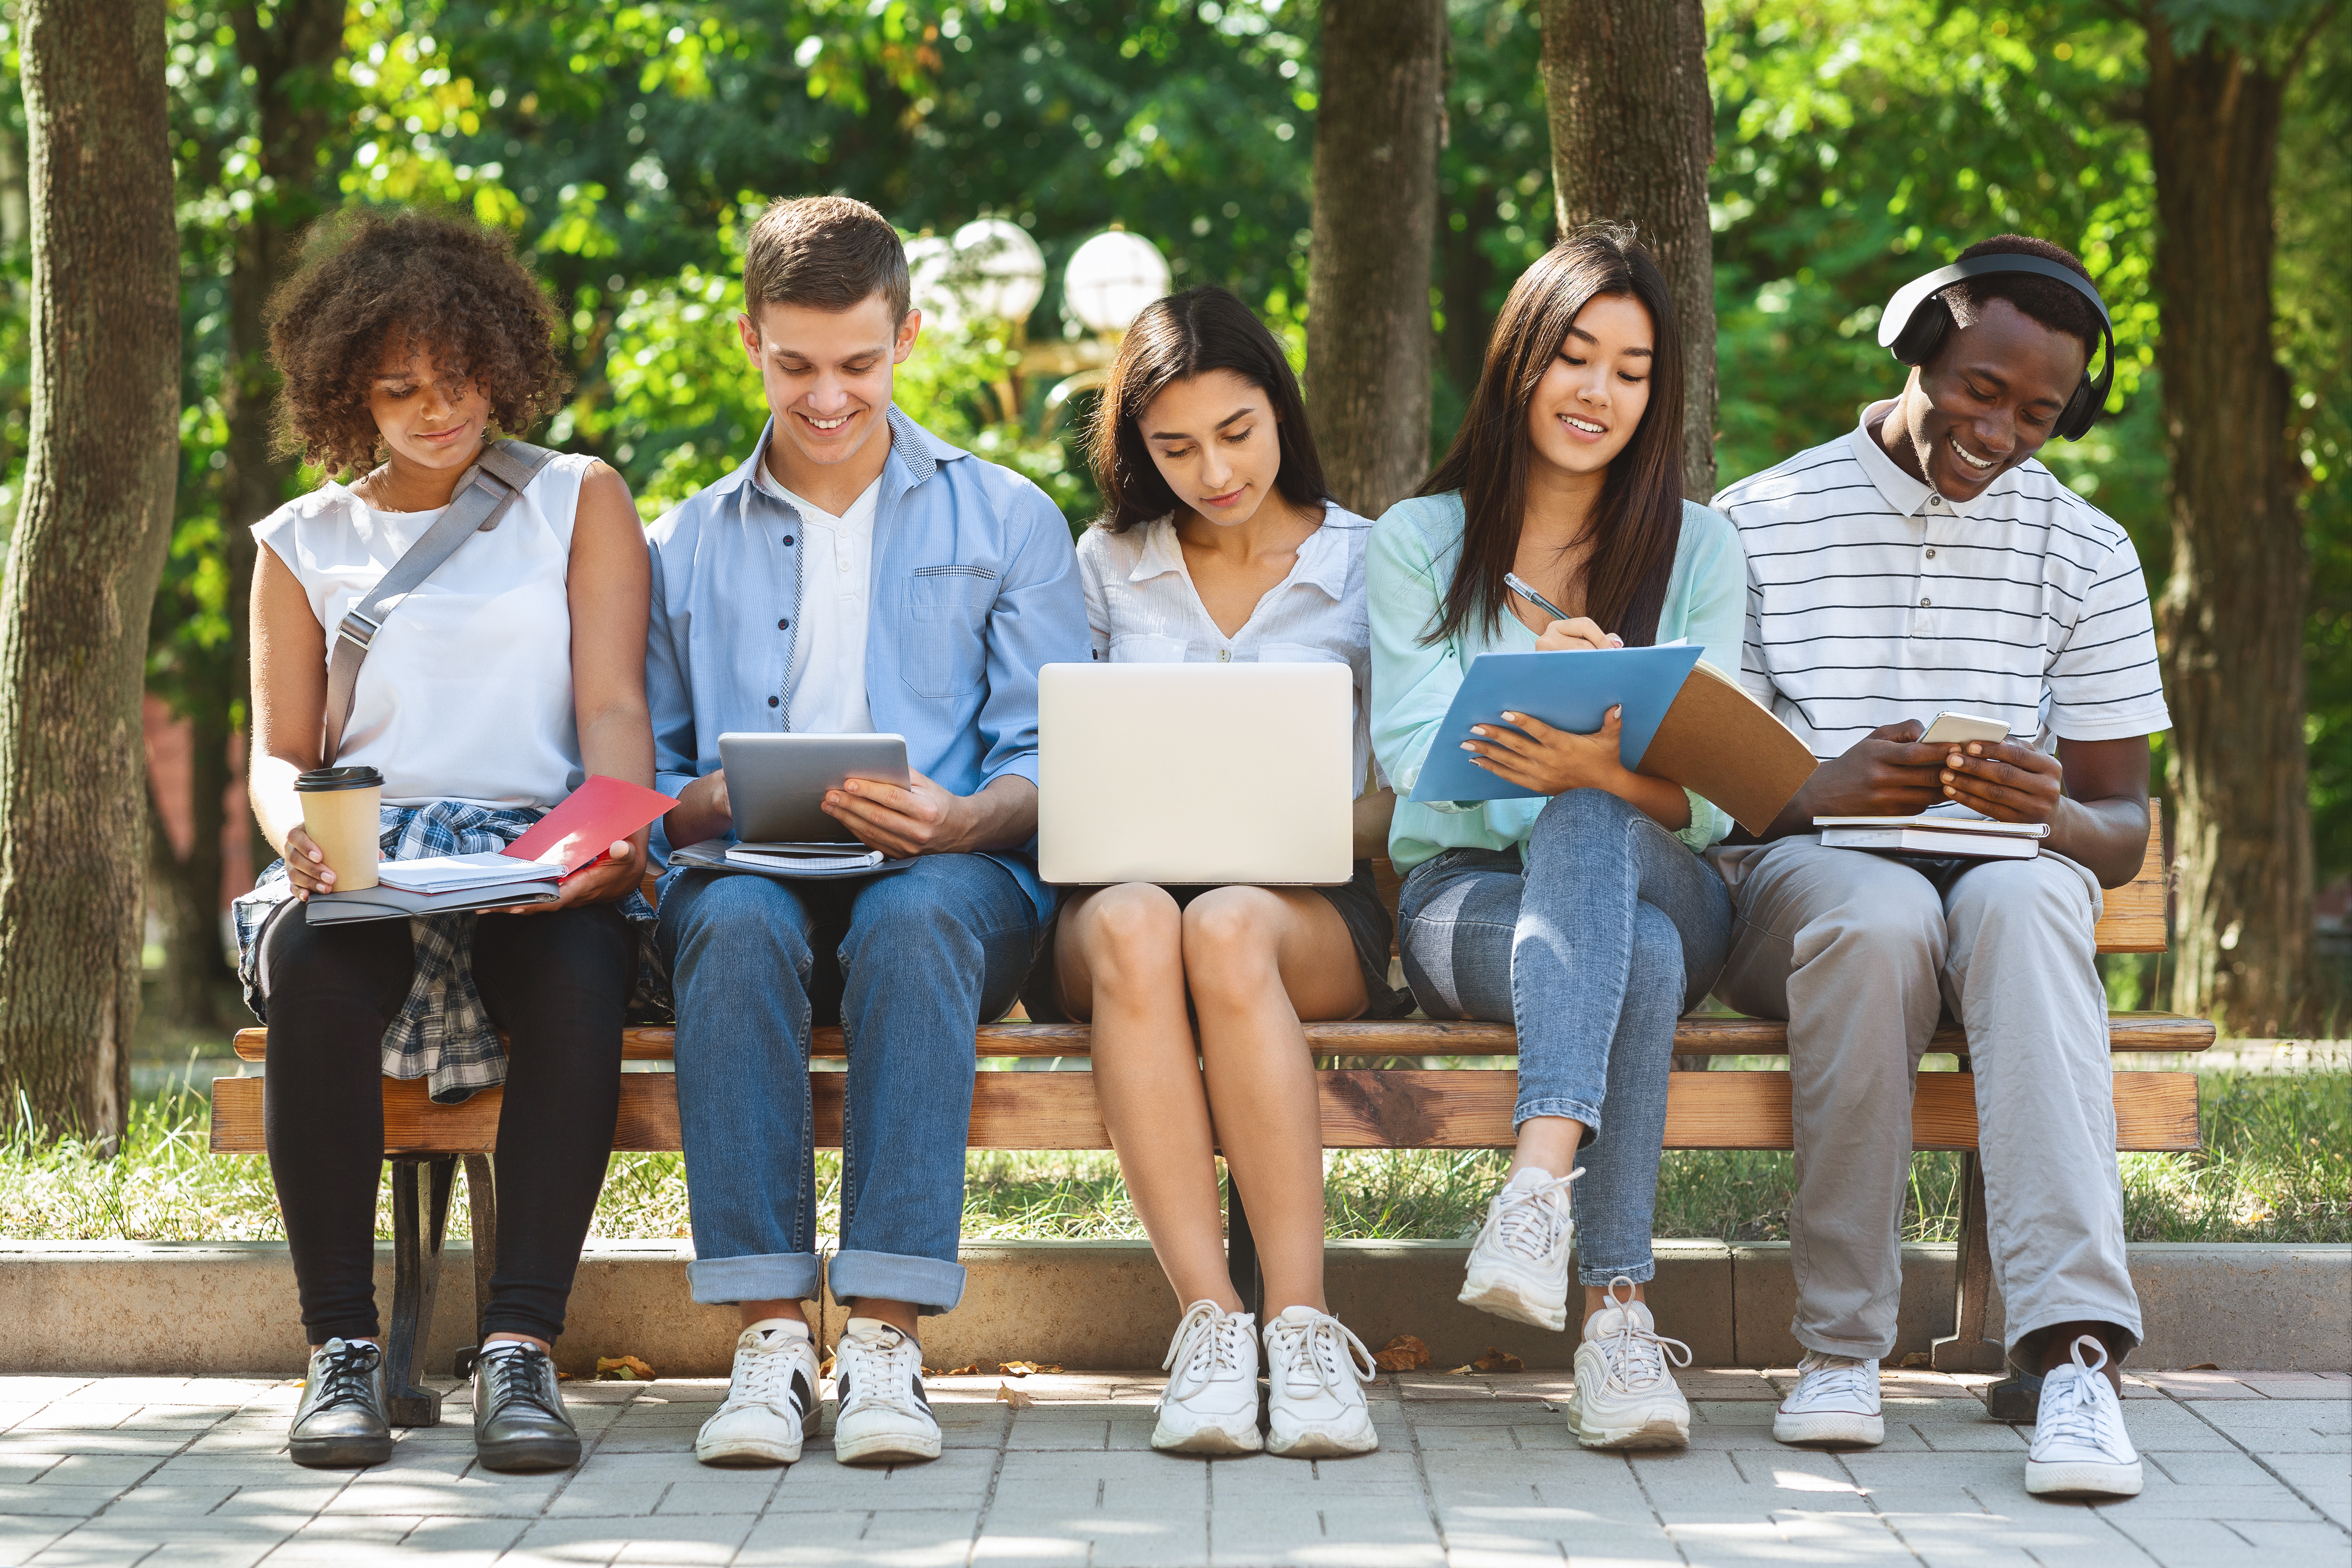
{"x":343,"y":1421}
{"x":519,"y":1422}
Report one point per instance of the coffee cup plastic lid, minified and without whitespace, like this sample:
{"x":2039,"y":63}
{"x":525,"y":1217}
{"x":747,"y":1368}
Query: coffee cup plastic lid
{"x":319,"y":780}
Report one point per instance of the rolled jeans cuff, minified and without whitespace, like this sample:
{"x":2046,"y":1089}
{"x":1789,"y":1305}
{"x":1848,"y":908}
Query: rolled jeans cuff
{"x":772,"y":1277}
{"x":1599,"y":1276}
{"x":931,"y":1284}
{"x":1575,"y":1109}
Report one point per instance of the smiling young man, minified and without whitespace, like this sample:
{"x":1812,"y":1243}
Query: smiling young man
{"x":855,"y":575}
{"x":1925,"y":561}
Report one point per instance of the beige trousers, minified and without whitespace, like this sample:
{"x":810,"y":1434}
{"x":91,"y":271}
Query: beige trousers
{"x":1862,"y":954}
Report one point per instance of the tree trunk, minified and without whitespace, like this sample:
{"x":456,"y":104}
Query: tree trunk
{"x":2233,"y":616}
{"x":89,"y":547}
{"x":188,"y":888}
{"x":1369,"y":344}
{"x":1632,"y":133}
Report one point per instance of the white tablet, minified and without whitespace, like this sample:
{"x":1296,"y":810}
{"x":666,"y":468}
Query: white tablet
{"x":776,"y":784}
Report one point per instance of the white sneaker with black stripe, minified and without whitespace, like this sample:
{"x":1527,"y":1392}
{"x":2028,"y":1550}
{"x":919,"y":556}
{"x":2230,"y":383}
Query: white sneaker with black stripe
{"x":770,"y":1398}
{"x":884,"y":1417}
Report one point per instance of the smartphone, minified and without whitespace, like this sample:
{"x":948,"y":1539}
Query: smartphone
{"x":1956,"y":729}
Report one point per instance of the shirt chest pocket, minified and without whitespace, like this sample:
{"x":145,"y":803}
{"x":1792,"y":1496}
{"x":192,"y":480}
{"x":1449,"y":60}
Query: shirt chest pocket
{"x":947,"y":616}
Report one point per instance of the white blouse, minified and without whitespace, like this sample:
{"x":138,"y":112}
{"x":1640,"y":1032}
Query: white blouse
{"x":467,"y":693}
{"x":1141,"y":607}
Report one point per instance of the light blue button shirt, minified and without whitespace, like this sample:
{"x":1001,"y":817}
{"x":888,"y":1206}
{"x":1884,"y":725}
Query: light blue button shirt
{"x":974,"y":585}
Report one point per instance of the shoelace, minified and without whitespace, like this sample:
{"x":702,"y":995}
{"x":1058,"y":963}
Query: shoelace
{"x":1208,"y":1340}
{"x":886,"y":1367}
{"x":1528,"y":1222}
{"x":519,"y":1376}
{"x":350,"y":1377}
{"x":1324,"y":1346}
{"x":1639,"y":1356}
{"x":766,"y":1377}
{"x":1821,"y":1377}
{"x":2077,"y":1414}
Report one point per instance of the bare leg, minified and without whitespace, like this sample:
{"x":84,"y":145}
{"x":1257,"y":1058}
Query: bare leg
{"x":1257,"y":959}
{"x":1119,"y":957}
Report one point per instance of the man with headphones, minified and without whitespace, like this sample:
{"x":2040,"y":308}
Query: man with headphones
{"x":1921,"y":563}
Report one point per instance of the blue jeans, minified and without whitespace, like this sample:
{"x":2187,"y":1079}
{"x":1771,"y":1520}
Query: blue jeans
{"x":1594,"y":943}
{"x":912,"y":961}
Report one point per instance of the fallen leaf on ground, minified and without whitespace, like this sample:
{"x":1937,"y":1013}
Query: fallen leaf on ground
{"x":1500,"y":1361}
{"x":1403,"y":1353}
{"x":623,"y":1369}
{"x":2204,"y":1366}
{"x":824,"y":1367}
{"x":971,"y":1370}
{"x":1024,"y":1368}
{"x":1014,"y":1398}
{"x":1460,"y":1370}
{"x":1918,"y":1358}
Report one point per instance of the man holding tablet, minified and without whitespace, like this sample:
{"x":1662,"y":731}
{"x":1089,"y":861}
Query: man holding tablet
{"x":855,"y":575}
{"x":1922,"y":562}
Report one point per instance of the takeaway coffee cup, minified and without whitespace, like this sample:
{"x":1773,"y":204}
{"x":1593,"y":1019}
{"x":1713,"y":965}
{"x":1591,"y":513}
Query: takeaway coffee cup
{"x":339,"y":812}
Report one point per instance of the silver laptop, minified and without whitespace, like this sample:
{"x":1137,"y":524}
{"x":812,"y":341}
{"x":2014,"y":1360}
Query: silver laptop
{"x":1195,"y":773}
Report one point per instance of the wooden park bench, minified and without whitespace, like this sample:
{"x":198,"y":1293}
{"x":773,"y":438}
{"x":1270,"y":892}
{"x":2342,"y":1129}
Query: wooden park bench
{"x":1383,"y":1106}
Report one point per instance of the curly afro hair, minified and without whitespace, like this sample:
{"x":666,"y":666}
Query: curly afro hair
{"x":445,"y":283}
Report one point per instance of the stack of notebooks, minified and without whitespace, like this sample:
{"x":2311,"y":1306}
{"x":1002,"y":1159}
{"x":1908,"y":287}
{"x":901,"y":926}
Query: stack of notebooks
{"x":1976,"y":838}
{"x":805,"y":857}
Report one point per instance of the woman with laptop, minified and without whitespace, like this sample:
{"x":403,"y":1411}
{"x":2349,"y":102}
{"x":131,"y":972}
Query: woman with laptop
{"x":1220,"y":544}
{"x":511,"y":669}
{"x":1580,"y":911}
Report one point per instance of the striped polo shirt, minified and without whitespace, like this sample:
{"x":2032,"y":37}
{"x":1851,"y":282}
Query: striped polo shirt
{"x":1871,"y":599}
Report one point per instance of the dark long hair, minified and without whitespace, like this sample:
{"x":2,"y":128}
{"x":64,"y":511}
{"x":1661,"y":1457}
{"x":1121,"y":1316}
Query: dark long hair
{"x":1175,"y":339}
{"x":1638,"y":521}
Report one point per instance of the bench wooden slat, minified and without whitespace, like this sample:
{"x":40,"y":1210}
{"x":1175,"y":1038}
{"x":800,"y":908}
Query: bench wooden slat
{"x":1725,"y":1036}
{"x":1362,"y":1109}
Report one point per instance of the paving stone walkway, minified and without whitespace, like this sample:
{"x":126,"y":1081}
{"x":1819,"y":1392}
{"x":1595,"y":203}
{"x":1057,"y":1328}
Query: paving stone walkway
{"x":1475,"y":1472}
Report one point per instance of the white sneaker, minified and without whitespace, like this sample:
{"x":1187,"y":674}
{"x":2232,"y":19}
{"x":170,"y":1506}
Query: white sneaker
{"x":1210,"y":1404}
{"x":878,"y":1376}
{"x":1625,"y":1392}
{"x":2080,"y":1447}
{"x":1518,"y":1264}
{"x":1835,"y":1400}
{"x":1315,"y":1371}
{"x":770,"y":1398}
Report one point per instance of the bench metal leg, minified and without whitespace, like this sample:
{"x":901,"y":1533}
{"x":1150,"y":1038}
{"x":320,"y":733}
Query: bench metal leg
{"x":420,"y":1220}
{"x":1241,"y":1252}
{"x":1965,"y":1349}
{"x":482,"y":1200}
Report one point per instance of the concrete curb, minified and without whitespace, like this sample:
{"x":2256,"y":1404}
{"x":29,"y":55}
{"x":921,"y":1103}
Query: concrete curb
{"x":229,"y":1307}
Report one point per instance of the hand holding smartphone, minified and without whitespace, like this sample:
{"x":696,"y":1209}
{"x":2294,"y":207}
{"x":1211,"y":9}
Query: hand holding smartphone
{"x":1953,"y":729}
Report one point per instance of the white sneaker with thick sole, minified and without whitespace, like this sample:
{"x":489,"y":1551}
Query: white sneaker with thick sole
{"x":1211,"y":1403}
{"x":1835,"y":1400}
{"x":770,"y":1398}
{"x":1625,"y":1392}
{"x":2080,"y":1447}
{"x":1518,"y":1264}
{"x":884,"y":1417}
{"x":1315,"y":1371}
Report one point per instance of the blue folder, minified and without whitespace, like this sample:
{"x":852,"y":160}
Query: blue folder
{"x":1566,"y":690}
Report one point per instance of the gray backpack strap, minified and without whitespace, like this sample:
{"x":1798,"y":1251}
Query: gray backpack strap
{"x":483,"y":494}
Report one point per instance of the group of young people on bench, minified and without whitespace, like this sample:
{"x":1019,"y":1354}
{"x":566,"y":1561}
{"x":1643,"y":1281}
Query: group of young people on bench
{"x":858,"y":574}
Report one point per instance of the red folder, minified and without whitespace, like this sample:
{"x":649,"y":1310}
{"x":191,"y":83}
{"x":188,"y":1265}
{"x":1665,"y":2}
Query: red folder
{"x":590,"y":821}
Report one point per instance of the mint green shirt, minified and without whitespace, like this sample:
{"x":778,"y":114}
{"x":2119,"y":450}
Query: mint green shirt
{"x":1414,"y":547}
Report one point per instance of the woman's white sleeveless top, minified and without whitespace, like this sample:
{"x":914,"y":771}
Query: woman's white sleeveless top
{"x":467,"y":693}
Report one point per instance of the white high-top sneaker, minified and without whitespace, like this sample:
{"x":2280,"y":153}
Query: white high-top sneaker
{"x":1210,"y":1404}
{"x":878,"y":1376}
{"x":1625,"y":1392}
{"x":1518,"y":1264}
{"x":1835,"y":1400}
{"x":2080,"y":1447}
{"x":770,"y":1398}
{"x":1315,"y":1371}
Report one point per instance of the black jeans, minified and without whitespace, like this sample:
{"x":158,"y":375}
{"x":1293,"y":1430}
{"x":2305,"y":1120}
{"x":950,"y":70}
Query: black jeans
{"x":557,"y":985}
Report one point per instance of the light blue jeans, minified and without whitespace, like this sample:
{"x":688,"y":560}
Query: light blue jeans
{"x":911,"y":962}
{"x":1593,"y":942}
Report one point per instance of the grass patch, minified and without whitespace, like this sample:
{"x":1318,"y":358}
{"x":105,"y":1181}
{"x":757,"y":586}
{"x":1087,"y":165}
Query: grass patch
{"x":2276,"y":1166}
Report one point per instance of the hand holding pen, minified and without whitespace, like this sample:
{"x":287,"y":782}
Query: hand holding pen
{"x":1566,"y":632}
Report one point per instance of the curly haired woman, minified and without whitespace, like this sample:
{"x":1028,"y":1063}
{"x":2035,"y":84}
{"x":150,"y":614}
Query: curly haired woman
{"x":491,"y":689}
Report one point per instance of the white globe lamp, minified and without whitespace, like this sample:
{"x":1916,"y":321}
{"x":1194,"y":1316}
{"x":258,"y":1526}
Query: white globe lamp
{"x":1000,"y":272}
{"x":1111,"y":278}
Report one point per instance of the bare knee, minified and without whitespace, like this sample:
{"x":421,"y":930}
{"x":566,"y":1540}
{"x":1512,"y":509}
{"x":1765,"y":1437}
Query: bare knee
{"x":1133,"y":934}
{"x":1230,"y":939}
